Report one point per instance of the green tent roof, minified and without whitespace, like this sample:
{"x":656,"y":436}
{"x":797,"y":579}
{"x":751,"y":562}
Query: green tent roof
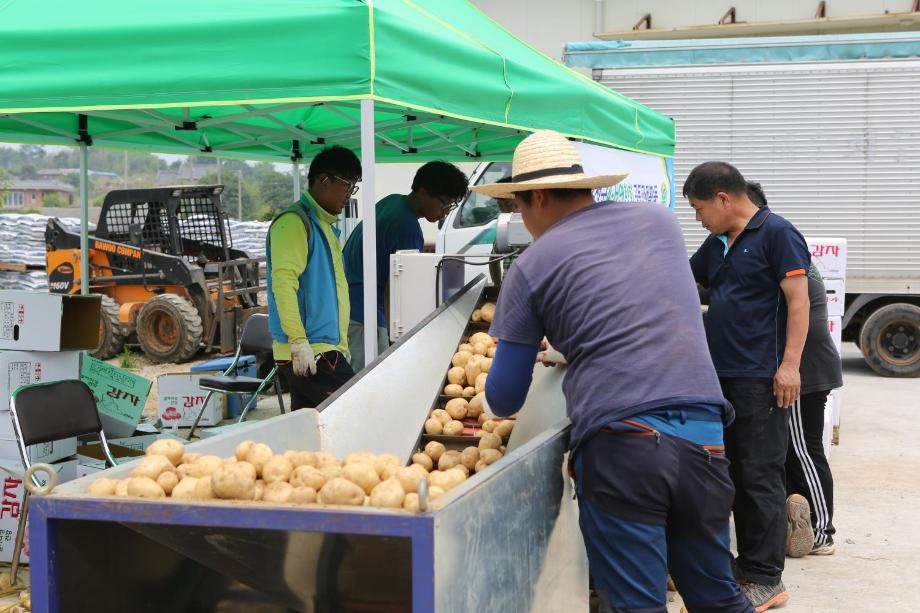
{"x":263,"y":80}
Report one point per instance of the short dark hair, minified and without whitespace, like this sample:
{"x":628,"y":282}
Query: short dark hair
{"x":335,"y":160}
{"x":441,"y":179}
{"x":709,"y":178}
{"x":558,"y":193}
{"x":755,"y":194}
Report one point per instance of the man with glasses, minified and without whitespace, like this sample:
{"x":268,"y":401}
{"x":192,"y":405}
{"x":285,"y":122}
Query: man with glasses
{"x":307,"y":291}
{"x":437,"y":189}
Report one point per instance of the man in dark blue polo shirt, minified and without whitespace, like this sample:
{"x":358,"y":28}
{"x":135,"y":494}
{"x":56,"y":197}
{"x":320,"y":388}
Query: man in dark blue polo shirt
{"x":754,"y":265}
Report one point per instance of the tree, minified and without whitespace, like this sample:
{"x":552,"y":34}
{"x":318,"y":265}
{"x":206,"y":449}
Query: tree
{"x":6,"y":181}
{"x":53,"y":200}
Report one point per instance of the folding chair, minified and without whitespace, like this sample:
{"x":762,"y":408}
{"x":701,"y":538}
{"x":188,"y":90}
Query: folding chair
{"x":255,"y":339}
{"x":50,"y":412}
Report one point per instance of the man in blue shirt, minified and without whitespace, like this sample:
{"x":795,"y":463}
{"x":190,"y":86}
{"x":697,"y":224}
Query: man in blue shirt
{"x":609,"y":286}
{"x":754,"y":265}
{"x":436,"y":189}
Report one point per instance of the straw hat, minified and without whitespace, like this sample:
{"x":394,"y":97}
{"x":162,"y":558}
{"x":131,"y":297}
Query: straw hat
{"x":546,"y":160}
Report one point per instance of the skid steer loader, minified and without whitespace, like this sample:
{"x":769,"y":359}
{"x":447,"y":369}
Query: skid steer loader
{"x":163,"y":261}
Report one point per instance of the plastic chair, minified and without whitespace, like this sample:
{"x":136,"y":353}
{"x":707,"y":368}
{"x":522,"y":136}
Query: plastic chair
{"x":255,"y":339}
{"x":50,"y":412}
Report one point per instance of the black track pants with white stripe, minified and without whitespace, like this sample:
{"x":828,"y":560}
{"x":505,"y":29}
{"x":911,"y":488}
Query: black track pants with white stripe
{"x":807,"y":470}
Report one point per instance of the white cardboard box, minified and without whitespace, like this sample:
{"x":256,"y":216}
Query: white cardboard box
{"x":836,"y":295}
{"x":52,"y":451}
{"x":40,"y":321}
{"x":829,"y":256}
{"x":11,"y":505}
{"x":19,"y":368}
{"x":180,"y":399}
{"x":835,"y":327}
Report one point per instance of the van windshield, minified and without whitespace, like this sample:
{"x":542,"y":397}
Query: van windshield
{"x":479,"y":209}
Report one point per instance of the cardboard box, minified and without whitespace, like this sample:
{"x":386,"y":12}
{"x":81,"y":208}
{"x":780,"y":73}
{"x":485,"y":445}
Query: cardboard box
{"x":11,"y":505}
{"x":180,"y":399}
{"x":829,"y":256}
{"x":52,"y":451}
{"x":835,"y":326}
{"x":91,"y":459}
{"x":836,"y":296}
{"x":120,"y":395}
{"x":39,"y":321}
{"x":18,"y":368}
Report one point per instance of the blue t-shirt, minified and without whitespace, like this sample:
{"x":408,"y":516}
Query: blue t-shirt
{"x":610,"y":287}
{"x":746,"y":321}
{"x":397,"y":229}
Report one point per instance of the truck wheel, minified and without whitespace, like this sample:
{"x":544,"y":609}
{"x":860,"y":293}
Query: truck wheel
{"x":111,"y":334}
{"x":890,"y":340}
{"x":169,"y":329}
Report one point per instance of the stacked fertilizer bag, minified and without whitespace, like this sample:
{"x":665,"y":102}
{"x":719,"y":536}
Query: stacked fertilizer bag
{"x":22,"y":241}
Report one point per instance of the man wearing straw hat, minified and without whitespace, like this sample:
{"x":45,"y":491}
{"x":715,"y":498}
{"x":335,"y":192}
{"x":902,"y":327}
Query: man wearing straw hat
{"x":608,"y":286}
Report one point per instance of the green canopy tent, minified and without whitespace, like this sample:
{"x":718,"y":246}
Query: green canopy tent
{"x":403,"y":80}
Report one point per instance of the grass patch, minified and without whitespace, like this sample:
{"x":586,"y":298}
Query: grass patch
{"x":127,"y":359}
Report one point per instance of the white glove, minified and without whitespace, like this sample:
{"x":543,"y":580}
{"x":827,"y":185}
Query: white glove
{"x":303,"y":359}
{"x":551,"y":356}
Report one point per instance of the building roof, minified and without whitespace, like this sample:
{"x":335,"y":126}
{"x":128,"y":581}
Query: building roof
{"x":43,"y":185}
{"x":63,"y":172}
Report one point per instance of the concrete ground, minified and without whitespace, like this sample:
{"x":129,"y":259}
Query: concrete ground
{"x":876,"y":470}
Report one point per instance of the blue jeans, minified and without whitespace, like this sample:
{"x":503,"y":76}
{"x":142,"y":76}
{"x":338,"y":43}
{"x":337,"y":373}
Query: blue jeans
{"x":650,"y":502}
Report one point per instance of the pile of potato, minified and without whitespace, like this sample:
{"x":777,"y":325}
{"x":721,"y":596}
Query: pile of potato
{"x":484,"y":313}
{"x":256,"y":474}
{"x":470,"y":366}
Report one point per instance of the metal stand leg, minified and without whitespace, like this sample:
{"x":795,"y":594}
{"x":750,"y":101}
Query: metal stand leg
{"x":251,"y":403}
{"x":278,"y":393}
{"x":200,"y":413}
{"x":20,"y":535}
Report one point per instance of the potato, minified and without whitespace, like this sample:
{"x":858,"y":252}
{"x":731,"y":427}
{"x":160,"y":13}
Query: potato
{"x":168,"y":481}
{"x":453,"y":428}
{"x":242,"y":450}
{"x":489,"y":440}
{"x":481,"y":337}
{"x":279,"y":468}
{"x":324,"y":459}
{"x":277,"y":491}
{"x":388,"y":471}
{"x":472,"y":370}
{"x":456,"y":408}
{"x":183,"y":470}
{"x":362,"y":474}
{"x":434,"y":450}
{"x":342,"y":491}
{"x":441,"y":415}
{"x":491,"y":352}
{"x":102,"y":487}
{"x":480,"y":466}
{"x":382,"y":461}
{"x":423,"y":460}
{"x":409,"y":477}
{"x":474,"y":406}
{"x":389,"y":494}
{"x":205,"y":465}
{"x":503,"y":449}
{"x":410,"y":503}
{"x":258,"y":455}
{"x":481,"y":382}
{"x":145,"y":487}
{"x":433,"y":426}
{"x":435,"y":492}
{"x":331,"y":472}
{"x":453,"y":389}
{"x":303,"y":495}
{"x":169,"y":447}
{"x":489,"y":425}
{"x":188,"y":458}
{"x":233,"y":481}
{"x":438,"y":479}
{"x":469,"y":391}
{"x":504,"y":428}
{"x":185,"y":490}
{"x":465,"y":347}
{"x":151,"y":466}
{"x":490,"y":456}
{"x":449,"y":460}
{"x":260,"y":489}
{"x":487,"y":312}
{"x":456,"y":375}
{"x":469,"y":457}
{"x":456,"y":475}
{"x":476,"y":315}
{"x":485,"y":364}
{"x":482,"y":419}
{"x":301,"y":458}
{"x":448,"y":479}
{"x":308,"y":476}
{"x":461,"y":358}
{"x":203,"y":489}
{"x":359,"y":456}
{"x":248,"y":468}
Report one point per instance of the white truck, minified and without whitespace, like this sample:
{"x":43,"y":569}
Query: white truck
{"x":829,"y":125}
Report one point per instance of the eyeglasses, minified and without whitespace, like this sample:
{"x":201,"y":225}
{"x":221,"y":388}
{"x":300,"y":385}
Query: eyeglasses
{"x":448,"y":205}
{"x":352,"y":185}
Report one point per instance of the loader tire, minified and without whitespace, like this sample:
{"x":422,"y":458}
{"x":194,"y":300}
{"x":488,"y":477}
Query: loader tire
{"x":890,"y":340}
{"x":169,"y":329}
{"x":111,"y":333}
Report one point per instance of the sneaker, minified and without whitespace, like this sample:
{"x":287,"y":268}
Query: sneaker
{"x":765,"y":597}
{"x":827,"y":549}
{"x":800,"y":537}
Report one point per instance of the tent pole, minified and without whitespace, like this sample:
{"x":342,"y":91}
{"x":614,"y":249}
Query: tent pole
{"x":84,"y":219}
{"x":296,"y":180}
{"x":369,"y":223}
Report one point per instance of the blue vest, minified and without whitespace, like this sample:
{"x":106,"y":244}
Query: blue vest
{"x":316,"y":292}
